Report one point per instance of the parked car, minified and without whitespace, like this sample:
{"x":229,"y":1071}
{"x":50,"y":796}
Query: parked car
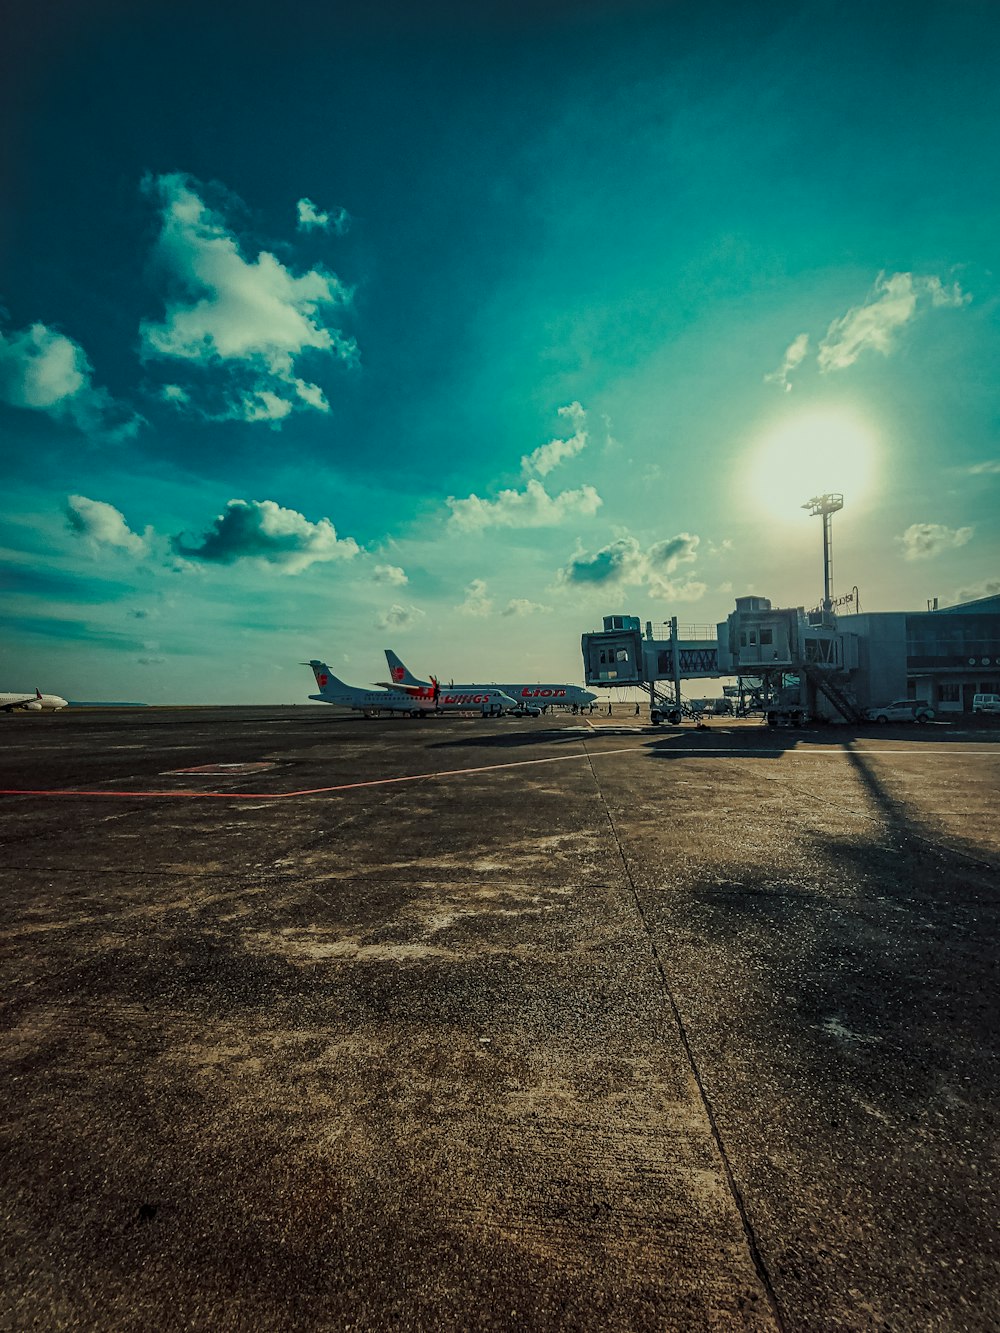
{"x":986,"y":703}
{"x":901,"y":710}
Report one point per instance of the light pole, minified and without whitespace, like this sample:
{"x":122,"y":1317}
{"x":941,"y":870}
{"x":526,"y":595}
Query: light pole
{"x":826,"y":506}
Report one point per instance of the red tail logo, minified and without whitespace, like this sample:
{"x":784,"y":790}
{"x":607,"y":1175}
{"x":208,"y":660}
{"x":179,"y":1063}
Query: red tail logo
{"x":398,"y":673}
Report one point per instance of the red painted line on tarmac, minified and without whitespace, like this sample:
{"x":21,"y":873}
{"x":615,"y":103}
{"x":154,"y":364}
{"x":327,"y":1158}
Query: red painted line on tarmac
{"x":693,"y":750}
{"x":306,"y":791}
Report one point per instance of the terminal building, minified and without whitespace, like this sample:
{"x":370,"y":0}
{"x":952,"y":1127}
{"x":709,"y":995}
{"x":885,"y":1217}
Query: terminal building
{"x":811,"y":663}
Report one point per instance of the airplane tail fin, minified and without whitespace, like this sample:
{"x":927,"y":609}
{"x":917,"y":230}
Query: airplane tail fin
{"x":325,"y":678}
{"x":399,"y":672}
{"x":38,"y":693}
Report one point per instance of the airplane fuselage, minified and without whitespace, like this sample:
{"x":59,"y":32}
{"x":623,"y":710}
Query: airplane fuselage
{"x":482,"y":699}
{"x":528,"y":696}
{"x":31,"y":701}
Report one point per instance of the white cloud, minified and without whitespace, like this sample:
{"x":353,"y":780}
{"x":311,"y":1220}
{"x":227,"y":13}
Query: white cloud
{"x":311,"y":217}
{"x":254,"y":319}
{"x":988,"y":588}
{"x":794,"y":356}
{"x":990,"y":467}
{"x":892,"y":303}
{"x":46,"y":371}
{"x":531,"y":508}
{"x":548,"y":456}
{"x":262,"y":530}
{"x":477,"y":601}
{"x":102,"y":524}
{"x":391,"y":574}
{"x":921,"y":540}
{"x":521,"y":606}
{"x":623,"y":563}
{"x":263,"y":405}
{"x":398,"y":617}
{"x":175,"y":393}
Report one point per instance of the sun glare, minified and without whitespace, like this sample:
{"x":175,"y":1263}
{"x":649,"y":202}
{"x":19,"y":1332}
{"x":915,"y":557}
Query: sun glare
{"x":809,"y":455}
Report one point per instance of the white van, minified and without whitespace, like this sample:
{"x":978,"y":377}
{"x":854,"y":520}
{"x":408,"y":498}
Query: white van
{"x":986,"y":703}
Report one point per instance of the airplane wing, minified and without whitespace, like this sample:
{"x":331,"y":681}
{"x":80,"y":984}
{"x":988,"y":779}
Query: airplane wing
{"x":414,"y":691}
{"x":26,"y":701}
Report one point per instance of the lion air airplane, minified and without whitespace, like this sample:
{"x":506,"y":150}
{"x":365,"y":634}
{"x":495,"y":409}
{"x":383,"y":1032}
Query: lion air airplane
{"x":488,"y":700}
{"x":32,"y":703}
{"x":529,"y":698}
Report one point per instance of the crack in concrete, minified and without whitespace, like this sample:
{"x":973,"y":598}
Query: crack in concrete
{"x":754,"y":1248}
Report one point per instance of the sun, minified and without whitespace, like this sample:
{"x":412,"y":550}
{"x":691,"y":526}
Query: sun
{"x":811,"y":454}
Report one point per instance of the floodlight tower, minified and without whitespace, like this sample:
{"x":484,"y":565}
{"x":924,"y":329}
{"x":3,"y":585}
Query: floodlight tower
{"x":826,"y":506}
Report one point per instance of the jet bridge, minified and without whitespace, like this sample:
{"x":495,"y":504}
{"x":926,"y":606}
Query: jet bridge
{"x":622,"y":654}
{"x":802,"y":663}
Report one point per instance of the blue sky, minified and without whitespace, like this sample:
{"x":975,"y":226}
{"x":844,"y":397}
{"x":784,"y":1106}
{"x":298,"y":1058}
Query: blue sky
{"x":454,"y":328}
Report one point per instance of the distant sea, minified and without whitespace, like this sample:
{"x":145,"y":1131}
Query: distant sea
{"x":104,"y":703}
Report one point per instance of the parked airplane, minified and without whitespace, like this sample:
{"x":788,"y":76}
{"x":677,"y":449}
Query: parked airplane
{"x":32,"y":703}
{"x":529,"y":698}
{"x":488,"y":700}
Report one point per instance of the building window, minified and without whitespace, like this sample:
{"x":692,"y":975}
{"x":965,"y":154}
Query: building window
{"x":949,"y":694}
{"x":766,"y":637}
{"x":743,"y":638}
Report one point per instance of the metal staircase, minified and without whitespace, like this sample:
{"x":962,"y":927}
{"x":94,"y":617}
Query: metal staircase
{"x":841,"y":700}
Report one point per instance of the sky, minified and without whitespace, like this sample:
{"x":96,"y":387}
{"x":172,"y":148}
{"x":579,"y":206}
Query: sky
{"x":454,"y":328}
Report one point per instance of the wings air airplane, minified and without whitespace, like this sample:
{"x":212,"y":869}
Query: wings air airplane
{"x":529,"y":698}
{"x":487,"y":699}
{"x":32,"y":703}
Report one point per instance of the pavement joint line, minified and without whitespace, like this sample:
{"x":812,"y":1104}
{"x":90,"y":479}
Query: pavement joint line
{"x":694,"y":750}
{"x":756,"y":1255}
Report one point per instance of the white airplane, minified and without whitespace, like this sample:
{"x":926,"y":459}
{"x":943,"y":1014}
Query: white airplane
{"x":429,"y":698}
{"x":528,"y":698}
{"x":32,"y":703}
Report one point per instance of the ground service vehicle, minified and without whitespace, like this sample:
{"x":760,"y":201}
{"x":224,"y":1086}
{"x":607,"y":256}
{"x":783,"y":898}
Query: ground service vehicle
{"x":901,"y":710}
{"x":986,"y":703}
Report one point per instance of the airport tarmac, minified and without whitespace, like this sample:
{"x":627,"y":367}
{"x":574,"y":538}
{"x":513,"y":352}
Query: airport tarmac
{"x":313,"y":1022}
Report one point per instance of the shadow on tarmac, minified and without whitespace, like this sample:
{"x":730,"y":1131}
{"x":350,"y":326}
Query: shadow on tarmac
{"x":853,"y":989}
{"x":721,"y":742}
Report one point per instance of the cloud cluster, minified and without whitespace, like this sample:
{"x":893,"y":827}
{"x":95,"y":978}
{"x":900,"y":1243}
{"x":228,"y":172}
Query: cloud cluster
{"x":624,"y":563}
{"x":795,"y":354}
{"x":477,"y":601}
{"x":548,"y":456}
{"x":390,"y":574}
{"x":102,"y":525}
{"x":988,"y":588}
{"x":398,"y":617}
{"x":312,"y":218}
{"x":521,"y":606}
{"x":921,"y":540}
{"x":531,"y":508}
{"x":46,"y":371}
{"x":871,"y":326}
{"x":264,"y":531}
{"x":254,"y":318}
